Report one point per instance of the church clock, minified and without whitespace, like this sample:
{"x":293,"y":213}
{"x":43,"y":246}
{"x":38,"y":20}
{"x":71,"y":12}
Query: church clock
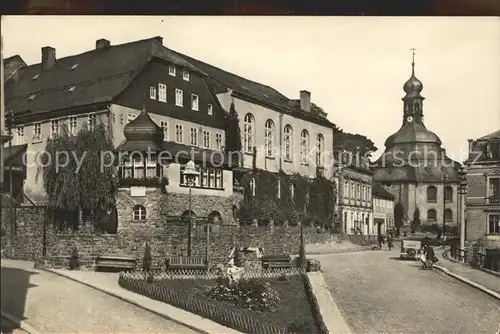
{"x":409,"y":119}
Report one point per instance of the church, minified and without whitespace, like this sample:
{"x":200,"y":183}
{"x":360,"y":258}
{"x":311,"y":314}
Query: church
{"x":415,"y":168}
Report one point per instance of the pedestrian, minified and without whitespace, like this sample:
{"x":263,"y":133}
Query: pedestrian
{"x":380,"y":241}
{"x":389,"y":241}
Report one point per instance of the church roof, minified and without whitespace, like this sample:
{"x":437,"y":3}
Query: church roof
{"x":412,"y":133}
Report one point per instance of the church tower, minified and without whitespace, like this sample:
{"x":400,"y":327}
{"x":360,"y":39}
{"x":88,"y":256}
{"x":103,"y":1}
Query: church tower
{"x":415,"y":168}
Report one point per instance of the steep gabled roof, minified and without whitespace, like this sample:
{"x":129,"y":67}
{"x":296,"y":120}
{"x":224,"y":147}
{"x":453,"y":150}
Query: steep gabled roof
{"x":97,"y":76}
{"x":258,"y":92}
{"x":493,"y":135}
{"x":380,"y":192}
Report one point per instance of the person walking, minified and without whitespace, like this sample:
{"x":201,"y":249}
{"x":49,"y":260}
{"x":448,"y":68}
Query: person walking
{"x":389,"y":241}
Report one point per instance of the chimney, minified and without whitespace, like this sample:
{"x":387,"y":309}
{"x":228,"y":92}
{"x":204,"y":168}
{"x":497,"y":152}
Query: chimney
{"x":305,"y":100}
{"x":48,"y":57}
{"x":159,"y":40}
{"x":102,"y":44}
{"x":471,"y":142}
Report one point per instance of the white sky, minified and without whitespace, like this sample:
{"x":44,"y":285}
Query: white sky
{"x":354,"y":67}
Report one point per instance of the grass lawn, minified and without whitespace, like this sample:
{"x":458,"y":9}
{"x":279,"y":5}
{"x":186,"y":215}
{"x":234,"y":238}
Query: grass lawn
{"x":295,"y":306}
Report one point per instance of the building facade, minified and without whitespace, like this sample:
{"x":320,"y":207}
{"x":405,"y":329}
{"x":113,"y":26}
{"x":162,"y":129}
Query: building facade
{"x":483,"y":195}
{"x":415,"y":168}
{"x":383,"y":209}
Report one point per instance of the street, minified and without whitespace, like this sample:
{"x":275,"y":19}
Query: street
{"x":54,"y":304}
{"x":377,"y":293}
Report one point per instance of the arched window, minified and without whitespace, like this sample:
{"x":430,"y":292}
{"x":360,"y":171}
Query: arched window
{"x":431,"y":194}
{"x":269,"y":134}
{"x":320,"y":147}
{"x":304,"y":147}
{"x":448,"y":194}
{"x":431,"y":215}
{"x":346,"y":189}
{"x":287,"y":141}
{"x":187,"y":214}
{"x":248,"y":133}
{"x":215,"y":218}
{"x":252,"y":186}
{"x":139,"y":212}
{"x":448,"y":215}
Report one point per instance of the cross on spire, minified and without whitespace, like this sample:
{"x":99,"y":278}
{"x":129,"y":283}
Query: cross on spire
{"x":413,"y":60}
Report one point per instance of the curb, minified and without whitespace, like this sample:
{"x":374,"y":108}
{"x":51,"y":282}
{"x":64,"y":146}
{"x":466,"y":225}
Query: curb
{"x":343,"y":251}
{"x":21,"y":323}
{"x":199,"y":330}
{"x":469,"y":282}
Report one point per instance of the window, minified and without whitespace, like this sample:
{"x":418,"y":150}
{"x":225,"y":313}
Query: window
{"x":278,"y":185}
{"x":137,"y":167}
{"x":269,"y":135}
{"x":92,"y":121}
{"x":130,"y":117}
{"x":304,"y":147}
{"x":352,"y":194}
{"x":448,"y":194}
{"x":252,"y":186}
{"x":210,"y":109}
{"x":368,"y":193}
{"x":494,"y":190}
{"x":206,"y":139}
{"x":346,"y":189}
{"x":218,"y":141}
{"x":358,"y":191}
{"x":431,"y":215}
{"x":431,"y":194}
{"x":194,"y":137}
{"x":54,"y":128}
{"x":171,"y":69}
{"x":363,"y":193}
{"x":248,"y":132}
{"x":139,"y":212}
{"x":194,"y":102}
{"x":151,"y":166}
{"x":152,"y":93}
{"x":288,"y":141}
{"x":185,"y":74}
{"x":162,"y":93}
{"x":121,"y":118}
{"x":20,"y":135}
{"x":164,"y":127}
{"x":179,"y":133}
{"x":37,"y":132}
{"x":292,"y":191}
{"x":448,"y":215}
{"x":73,"y":126}
{"x":179,"y":97}
{"x":209,"y":177}
{"x":320,"y":147}
{"x":494,"y":224}
{"x":71,"y":89}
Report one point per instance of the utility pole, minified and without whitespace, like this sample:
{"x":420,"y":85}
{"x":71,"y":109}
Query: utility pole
{"x":444,"y":178}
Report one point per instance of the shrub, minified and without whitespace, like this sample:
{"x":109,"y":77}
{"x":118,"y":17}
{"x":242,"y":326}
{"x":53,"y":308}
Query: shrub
{"x":147,"y":261}
{"x":238,"y":261}
{"x":73,"y":260}
{"x":250,"y":294}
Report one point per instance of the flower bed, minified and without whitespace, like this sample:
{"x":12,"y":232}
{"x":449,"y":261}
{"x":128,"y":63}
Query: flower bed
{"x":286,"y":307}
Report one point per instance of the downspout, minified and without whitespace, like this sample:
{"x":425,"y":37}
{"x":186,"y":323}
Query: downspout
{"x":281,"y":142}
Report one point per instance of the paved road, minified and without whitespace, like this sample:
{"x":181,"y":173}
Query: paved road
{"x":53,"y":304}
{"x":8,"y":327}
{"x":377,"y":294}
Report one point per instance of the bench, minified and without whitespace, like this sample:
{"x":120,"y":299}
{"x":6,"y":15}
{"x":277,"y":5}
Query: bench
{"x":277,"y":262}
{"x":115,"y":262}
{"x":186,"y":262}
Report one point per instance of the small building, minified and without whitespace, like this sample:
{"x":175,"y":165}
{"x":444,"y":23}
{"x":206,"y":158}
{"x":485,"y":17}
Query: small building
{"x":383,"y":209}
{"x":483,"y":196}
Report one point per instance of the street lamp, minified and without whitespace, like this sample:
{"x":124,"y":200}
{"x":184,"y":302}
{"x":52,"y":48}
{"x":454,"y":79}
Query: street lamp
{"x":190,"y":174}
{"x":444,"y":179}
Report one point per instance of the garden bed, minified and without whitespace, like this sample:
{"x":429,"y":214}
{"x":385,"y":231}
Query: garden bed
{"x":293,"y":314}
{"x":295,"y":308}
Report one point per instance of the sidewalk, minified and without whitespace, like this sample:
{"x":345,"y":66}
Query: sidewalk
{"x":477,"y":276}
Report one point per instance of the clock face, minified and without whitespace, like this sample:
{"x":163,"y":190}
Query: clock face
{"x":409,"y":119}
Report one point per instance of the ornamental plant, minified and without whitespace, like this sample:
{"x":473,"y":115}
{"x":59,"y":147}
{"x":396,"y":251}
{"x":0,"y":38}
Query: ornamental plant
{"x":147,"y":260}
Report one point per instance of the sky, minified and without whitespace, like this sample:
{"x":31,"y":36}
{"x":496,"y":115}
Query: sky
{"x":354,"y":67}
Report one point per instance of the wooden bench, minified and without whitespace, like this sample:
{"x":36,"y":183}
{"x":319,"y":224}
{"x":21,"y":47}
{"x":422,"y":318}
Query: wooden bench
{"x":277,"y":262}
{"x":115,"y":262}
{"x":186,"y":262}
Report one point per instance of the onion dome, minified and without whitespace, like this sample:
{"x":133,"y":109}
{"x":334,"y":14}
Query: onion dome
{"x":143,"y":129}
{"x":413,"y":87}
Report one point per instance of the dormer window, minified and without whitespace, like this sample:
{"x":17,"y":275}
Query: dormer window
{"x":71,"y":89}
{"x":36,"y":76}
{"x":171,"y":70}
{"x":32,"y":97}
{"x":210,"y":109}
{"x":74,"y":67}
{"x":185,"y":75}
{"x":194,"y":102}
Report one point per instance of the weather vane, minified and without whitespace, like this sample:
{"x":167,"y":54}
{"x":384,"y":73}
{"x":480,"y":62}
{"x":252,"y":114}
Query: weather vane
{"x":413,"y":56}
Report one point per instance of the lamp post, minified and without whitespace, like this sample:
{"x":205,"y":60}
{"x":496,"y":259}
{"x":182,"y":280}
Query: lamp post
{"x":444,"y":178}
{"x":190,"y":174}
{"x":463,"y":192}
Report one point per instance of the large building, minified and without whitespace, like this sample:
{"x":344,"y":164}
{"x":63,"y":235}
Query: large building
{"x":483,"y":196}
{"x":415,"y":168}
{"x":188,"y":99}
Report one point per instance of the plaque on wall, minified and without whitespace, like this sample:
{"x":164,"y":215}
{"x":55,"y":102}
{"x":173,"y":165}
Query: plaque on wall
{"x":137,"y":191}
